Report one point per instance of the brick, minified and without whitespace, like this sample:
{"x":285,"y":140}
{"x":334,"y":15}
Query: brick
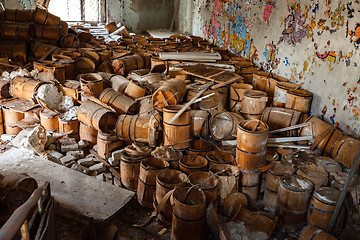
{"x":80,"y":168}
{"x":67,"y":141}
{"x":78,"y":154}
{"x":69,"y":165}
{"x":71,"y":147}
{"x":87,"y":162}
{"x":56,"y":154}
{"x":67,"y":158}
{"x":100,"y":167}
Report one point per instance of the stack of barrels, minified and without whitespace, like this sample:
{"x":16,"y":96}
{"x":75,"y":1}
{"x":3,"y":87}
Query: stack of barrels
{"x":251,"y":149}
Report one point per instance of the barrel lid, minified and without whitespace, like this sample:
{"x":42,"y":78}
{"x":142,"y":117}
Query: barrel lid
{"x":253,"y":126}
{"x":296,"y":183}
{"x":254,"y":93}
{"x":286,"y":85}
{"x":327,"y":194}
{"x":301,"y":93}
{"x":282,"y":168}
{"x":329,"y":164}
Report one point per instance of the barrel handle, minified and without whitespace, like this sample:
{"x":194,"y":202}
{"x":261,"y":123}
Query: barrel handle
{"x":161,"y":204}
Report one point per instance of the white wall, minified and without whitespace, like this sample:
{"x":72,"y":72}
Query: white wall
{"x":315,"y":49}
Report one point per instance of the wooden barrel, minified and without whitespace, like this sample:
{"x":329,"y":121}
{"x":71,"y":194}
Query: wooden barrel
{"x":43,"y":17}
{"x":125,"y":64}
{"x":254,"y":102}
{"x":176,"y":134}
{"x":130,"y":170}
{"x":46,"y":32}
{"x":106,"y":143}
{"x":18,"y":181}
{"x":118,"y":83}
{"x":293,"y":201}
{"x":314,"y":233}
{"x":219,"y":157}
{"x":84,"y":65}
{"x":318,"y":175}
{"x":167,"y":180}
{"x":14,"y":32}
{"x":250,"y":184}
{"x":91,"y":84}
{"x":299,"y":100}
{"x":189,"y":220}
{"x":5,"y":89}
{"x":70,"y":41}
{"x":69,"y":127}
{"x":88,"y":134}
{"x":251,"y":144}
{"x":199,"y":126}
{"x":18,"y":15}
{"x":223,"y":126}
{"x":58,"y":71}
{"x":272,"y":182}
{"x":213,"y":104}
{"x":97,"y":116}
{"x":169,"y":93}
{"x":11,"y":118}
{"x":207,"y":182}
{"x":139,"y":128}
{"x":199,"y":147}
{"x":134,"y":91}
{"x":49,"y":120}
{"x":280,"y":93}
{"x":265,"y":82}
{"x":237,"y":95}
{"x":277,"y":118}
{"x":149,"y":168}
{"x":322,"y":207}
{"x":228,"y":181}
{"x":121,"y":103}
{"x":25,"y":88}
{"x":111,"y":27}
{"x":345,"y":150}
{"x":193,"y":163}
{"x":69,"y":64}
{"x":329,"y":164}
{"x":17,"y":53}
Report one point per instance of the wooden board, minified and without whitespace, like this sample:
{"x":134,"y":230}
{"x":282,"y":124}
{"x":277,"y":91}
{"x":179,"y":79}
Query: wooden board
{"x":73,"y":190}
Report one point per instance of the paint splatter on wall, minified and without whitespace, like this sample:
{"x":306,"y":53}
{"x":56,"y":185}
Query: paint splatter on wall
{"x":312,"y":42}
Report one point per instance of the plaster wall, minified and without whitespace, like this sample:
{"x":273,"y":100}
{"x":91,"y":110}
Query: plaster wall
{"x":314,"y":42}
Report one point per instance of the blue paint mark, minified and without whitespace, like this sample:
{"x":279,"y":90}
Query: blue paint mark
{"x":231,"y":28}
{"x":332,"y":119}
{"x":240,"y":27}
{"x":229,"y":10}
{"x":316,"y":8}
{"x":287,"y":61}
{"x":247,"y":49}
{"x":219,"y":36}
{"x":266,"y":54}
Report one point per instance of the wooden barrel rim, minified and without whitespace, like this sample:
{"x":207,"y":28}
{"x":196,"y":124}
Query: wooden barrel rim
{"x":177,"y":125}
{"x":249,"y":186}
{"x":161,"y":183}
{"x":174,"y":109}
{"x":192,"y":167}
{"x":254,"y":93}
{"x":131,"y":158}
{"x":301,"y":93}
{"x":202,"y":188}
{"x":253,"y":132}
{"x":309,"y":189}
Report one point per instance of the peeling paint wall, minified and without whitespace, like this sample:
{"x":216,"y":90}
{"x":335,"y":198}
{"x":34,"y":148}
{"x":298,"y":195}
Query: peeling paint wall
{"x":314,"y":42}
{"x":19,"y":4}
{"x":140,"y":15}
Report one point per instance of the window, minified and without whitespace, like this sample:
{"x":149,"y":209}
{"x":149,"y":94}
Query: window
{"x":93,"y":11}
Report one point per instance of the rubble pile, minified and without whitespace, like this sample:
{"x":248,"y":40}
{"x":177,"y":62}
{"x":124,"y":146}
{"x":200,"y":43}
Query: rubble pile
{"x":149,"y":114}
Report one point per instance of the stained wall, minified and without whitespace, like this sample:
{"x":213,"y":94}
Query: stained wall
{"x":314,"y":42}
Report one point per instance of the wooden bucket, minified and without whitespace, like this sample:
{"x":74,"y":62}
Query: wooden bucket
{"x":167,"y":180}
{"x":18,"y":53}
{"x":293,"y":201}
{"x":322,"y":207}
{"x":49,"y":120}
{"x":105,"y":55}
{"x":84,"y":65}
{"x":329,"y":164}
{"x":119,"y":83}
{"x":11,"y":118}
{"x":223,"y":126}
{"x":237,"y":95}
{"x":134,"y":91}
{"x":170,"y":93}
{"x":346,"y":151}
{"x":228,"y":181}
{"x":207,"y":182}
{"x":139,"y":128}
{"x":121,"y":103}
{"x":130,"y":170}
{"x":91,"y":84}
{"x":277,"y":118}
{"x":149,"y":168}
{"x":5,"y":89}
{"x":25,"y":88}
{"x":189,"y":209}
{"x":70,"y":41}
{"x":43,"y":17}
{"x":193,"y":163}
{"x":314,"y":233}
{"x":125,"y":64}
{"x":219,"y":157}
{"x":250,"y":185}
{"x":176,"y":134}
{"x":88,"y":134}
{"x":270,"y":199}
{"x":57,"y":69}
{"x":14,"y":32}
{"x":69,"y":127}
{"x":97,"y":116}
{"x":69,"y":64}
{"x":265,"y":82}
{"x":254,"y":102}
{"x":199,"y":126}
{"x":199,"y":147}
{"x":18,"y":181}
{"x":280,"y":93}
{"x":318,"y":175}
{"x":299,"y":100}
{"x":106,"y":143}
{"x":213,"y":104}
{"x":254,"y":221}
{"x":46,"y":32}
{"x":111,"y":27}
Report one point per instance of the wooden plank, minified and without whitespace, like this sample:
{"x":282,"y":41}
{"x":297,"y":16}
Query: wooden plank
{"x":212,"y":74}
